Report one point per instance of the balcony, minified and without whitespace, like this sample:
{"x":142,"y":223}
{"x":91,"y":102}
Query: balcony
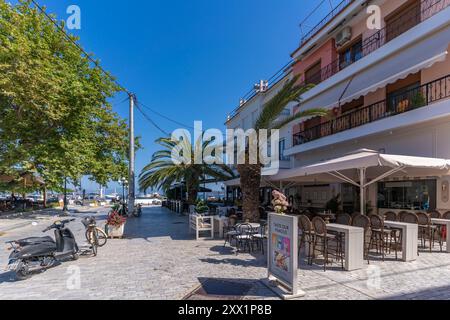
{"x":399,"y":103}
{"x":396,"y":27}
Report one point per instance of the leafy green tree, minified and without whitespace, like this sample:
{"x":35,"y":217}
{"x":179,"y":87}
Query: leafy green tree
{"x":54,"y":112}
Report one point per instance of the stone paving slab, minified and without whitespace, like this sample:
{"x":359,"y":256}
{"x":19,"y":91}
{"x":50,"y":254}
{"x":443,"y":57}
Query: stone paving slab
{"x":160,"y":260}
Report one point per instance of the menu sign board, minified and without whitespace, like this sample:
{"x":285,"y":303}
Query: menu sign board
{"x":283,"y":250}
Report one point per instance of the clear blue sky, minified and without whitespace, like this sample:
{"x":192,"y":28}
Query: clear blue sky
{"x":190,"y":60}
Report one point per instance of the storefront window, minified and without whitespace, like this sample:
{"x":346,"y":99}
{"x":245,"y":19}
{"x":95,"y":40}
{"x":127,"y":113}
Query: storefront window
{"x":407,"y":195}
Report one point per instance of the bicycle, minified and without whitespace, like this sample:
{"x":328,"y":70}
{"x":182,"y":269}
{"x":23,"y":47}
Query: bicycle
{"x":95,"y":236}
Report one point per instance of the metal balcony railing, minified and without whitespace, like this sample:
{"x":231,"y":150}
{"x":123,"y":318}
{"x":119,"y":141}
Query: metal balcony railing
{"x":402,"y":102}
{"x":410,"y":18}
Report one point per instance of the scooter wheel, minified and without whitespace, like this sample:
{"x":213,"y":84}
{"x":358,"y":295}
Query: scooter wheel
{"x":75,"y":257}
{"x":22,"y":272}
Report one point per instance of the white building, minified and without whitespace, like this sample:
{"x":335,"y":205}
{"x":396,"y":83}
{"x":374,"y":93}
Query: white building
{"x":386,"y":90}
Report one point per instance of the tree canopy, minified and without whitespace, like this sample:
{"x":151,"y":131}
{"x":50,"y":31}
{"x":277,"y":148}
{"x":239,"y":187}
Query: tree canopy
{"x":55,"y":118}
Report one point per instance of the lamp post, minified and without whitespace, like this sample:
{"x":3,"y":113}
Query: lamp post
{"x":123,"y":182}
{"x":65,"y":209}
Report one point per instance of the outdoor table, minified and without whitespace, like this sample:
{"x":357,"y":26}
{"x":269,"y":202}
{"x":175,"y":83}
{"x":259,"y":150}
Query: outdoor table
{"x":354,"y":245}
{"x":410,"y":233}
{"x":446,"y":223}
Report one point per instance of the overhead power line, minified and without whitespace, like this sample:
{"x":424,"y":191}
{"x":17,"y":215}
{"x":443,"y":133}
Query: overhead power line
{"x":165,"y":117}
{"x":151,"y":121}
{"x":68,"y":37}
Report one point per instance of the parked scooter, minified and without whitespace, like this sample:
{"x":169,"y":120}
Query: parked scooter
{"x":33,"y":254}
{"x":137,"y":212}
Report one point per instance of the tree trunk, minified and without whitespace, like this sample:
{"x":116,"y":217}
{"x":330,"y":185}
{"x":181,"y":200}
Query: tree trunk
{"x":192,"y":195}
{"x":44,"y":190}
{"x":250,"y":185}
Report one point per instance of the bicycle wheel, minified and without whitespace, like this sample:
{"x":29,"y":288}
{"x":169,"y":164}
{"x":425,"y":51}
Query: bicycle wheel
{"x":92,"y":239}
{"x":102,"y":238}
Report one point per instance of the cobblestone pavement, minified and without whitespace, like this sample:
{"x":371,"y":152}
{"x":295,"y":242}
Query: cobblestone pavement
{"x":160,"y":260}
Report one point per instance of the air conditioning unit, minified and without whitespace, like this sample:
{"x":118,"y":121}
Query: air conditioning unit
{"x":344,"y":36}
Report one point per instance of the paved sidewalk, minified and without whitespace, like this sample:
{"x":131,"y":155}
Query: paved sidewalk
{"x":160,"y":260}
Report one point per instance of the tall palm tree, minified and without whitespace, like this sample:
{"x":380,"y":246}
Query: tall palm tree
{"x":250,"y":174}
{"x":164,"y":170}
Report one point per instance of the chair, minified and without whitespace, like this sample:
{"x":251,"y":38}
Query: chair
{"x":230,"y":231}
{"x":409,"y":217}
{"x":362,"y":221}
{"x":321,"y":235}
{"x":344,"y":219}
{"x":245,"y":236}
{"x":391,"y":216}
{"x":355,"y":214}
{"x":306,"y":236}
{"x":435,"y":214}
{"x":260,"y":237}
{"x":446,"y":215}
{"x":382,"y":237}
{"x":198,"y":223}
{"x":426,"y":230}
{"x":401,"y":214}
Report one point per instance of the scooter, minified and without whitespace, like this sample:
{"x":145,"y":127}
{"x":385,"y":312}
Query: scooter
{"x":137,"y":212}
{"x":33,"y":254}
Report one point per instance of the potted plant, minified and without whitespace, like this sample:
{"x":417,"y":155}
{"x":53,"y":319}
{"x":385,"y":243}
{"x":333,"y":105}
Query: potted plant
{"x":201,"y":207}
{"x":115,"y":225}
{"x":279,"y":202}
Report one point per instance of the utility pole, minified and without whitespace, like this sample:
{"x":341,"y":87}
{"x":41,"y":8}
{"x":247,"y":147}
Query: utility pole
{"x":131,"y":188}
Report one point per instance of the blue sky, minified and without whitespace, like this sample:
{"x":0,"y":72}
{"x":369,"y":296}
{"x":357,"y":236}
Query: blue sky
{"x":190,"y":60}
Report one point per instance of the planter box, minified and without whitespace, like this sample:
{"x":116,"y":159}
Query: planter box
{"x":116,"y":232}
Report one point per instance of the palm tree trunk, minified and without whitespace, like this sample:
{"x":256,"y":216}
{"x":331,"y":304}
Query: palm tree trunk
{"x":250,"y":185}
{"x":192,"y":192}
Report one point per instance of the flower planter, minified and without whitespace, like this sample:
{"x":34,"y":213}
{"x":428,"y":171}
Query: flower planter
{"x":116,"y":232}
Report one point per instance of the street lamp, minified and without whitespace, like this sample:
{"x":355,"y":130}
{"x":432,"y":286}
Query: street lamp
{"x":123,"y":182}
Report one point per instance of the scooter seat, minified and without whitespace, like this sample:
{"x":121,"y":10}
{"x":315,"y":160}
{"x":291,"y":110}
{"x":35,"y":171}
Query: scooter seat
{"x":34,"y":240}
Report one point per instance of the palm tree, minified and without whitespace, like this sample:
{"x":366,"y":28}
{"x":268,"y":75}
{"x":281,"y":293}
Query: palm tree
{"x":163,"y":171}
{"x":250,"y":174}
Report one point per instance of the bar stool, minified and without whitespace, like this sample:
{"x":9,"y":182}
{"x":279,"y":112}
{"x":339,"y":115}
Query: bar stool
{"x":306,"y":236}
{"x":322,"y":240}
{"x":362,"y":221}
{"x":382,"y":236}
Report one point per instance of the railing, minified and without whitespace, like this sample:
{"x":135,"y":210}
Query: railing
{"x":273,"y":81}
{"x":330,"y":16}
{"x":405,"y":101}
{"x":410,"y":18}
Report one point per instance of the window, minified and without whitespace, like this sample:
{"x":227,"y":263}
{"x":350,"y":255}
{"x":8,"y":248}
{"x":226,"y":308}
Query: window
{"x":404,"y":94}
{"x":403,"y":19}
{"x":314,"y":75}
{"x":351,"y":54}
{"x":282,"y":150}
{"x":407,"y":195}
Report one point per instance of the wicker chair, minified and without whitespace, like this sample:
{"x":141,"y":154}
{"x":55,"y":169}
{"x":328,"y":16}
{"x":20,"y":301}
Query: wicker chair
{"x":391,"y":216}
{"x":409,"y":217}
{"x":426,"y":230}
{"x":344,"y":219}
{"x":435,"y":214}
{"x":306,"y":236}
{"x":384,"y":238}
{"x":362,"y":221}
{"x":401,"y":214}
{"x":446,"y":215}
{"x":322,"y":240}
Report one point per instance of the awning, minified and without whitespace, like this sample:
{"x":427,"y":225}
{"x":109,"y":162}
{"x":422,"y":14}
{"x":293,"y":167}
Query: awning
{"x":365,"y":167}
{"x":409,"y":60}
